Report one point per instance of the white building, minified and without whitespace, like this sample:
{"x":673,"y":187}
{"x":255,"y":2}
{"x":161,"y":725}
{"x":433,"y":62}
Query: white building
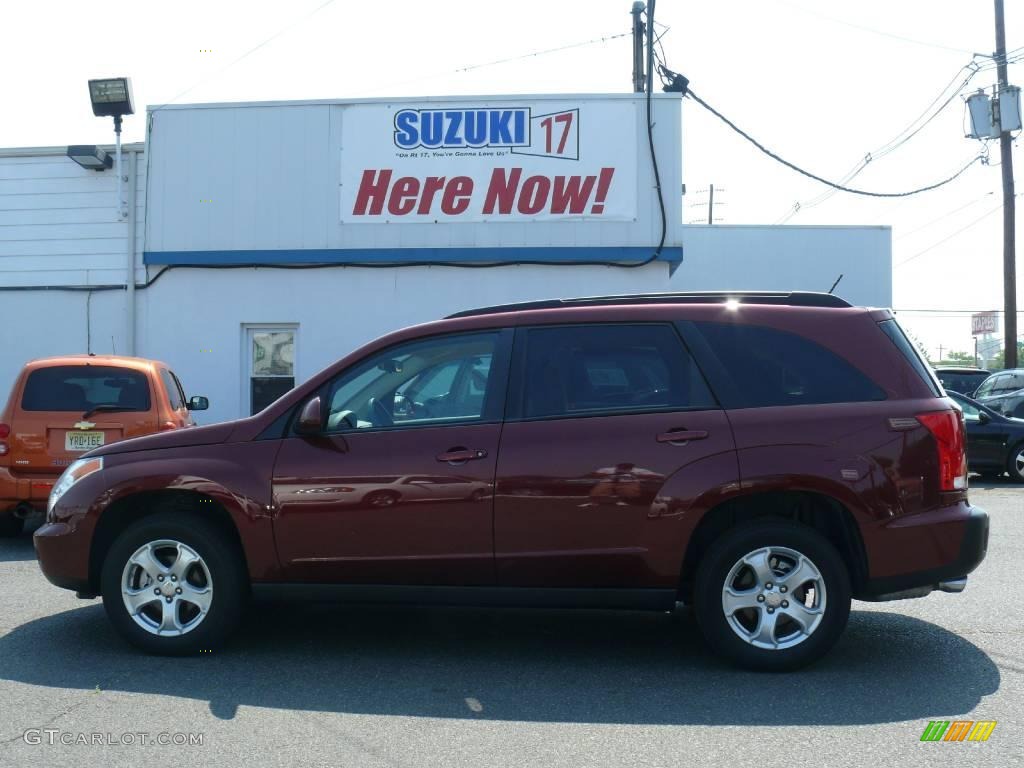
{"x":272,"y":238}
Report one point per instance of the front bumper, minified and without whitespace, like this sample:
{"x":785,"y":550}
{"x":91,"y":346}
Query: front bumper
{"x":62,"y":548}
{"x":949,"y":576}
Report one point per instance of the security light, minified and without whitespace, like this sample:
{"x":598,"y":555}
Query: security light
{"x":111,"y":97}
{"x":90,"y":156}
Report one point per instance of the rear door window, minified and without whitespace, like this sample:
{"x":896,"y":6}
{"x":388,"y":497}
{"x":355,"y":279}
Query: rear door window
{"x":769,"y":367}
{"x":607,"y":369}
{"x":83,"y":387}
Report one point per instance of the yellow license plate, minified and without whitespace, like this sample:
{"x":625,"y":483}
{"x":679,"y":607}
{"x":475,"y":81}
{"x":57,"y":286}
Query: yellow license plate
{"x":82,"y":441}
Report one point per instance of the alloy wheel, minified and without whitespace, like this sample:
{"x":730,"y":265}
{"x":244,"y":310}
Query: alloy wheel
{"x":774,"y":598}
{"x":167,"y":588}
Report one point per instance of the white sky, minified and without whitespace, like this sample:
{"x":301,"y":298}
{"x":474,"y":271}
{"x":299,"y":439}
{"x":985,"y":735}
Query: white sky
{"x":808,"y":78}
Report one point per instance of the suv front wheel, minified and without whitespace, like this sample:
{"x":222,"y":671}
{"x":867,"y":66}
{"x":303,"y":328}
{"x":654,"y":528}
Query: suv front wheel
{"x":173,"y":584}
{"x":772,"y":595}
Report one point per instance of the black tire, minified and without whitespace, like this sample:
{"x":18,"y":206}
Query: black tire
{"x":727,"y":551}
{"x":226,"y":571}
{"x":1016,"y":474}
{"x":10,"y":525}
{"x":383,"y":498}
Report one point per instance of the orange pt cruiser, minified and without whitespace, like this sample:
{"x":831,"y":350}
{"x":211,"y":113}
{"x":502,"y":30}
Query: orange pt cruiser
{"x":61,"y":407}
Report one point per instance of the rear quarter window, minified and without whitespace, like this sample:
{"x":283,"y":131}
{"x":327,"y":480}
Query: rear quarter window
{"x":892,"y":329}
{"x":768,"y":367}
{"x":83,"y":387}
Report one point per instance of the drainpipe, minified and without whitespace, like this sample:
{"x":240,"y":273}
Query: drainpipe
{"x":130,"y":257}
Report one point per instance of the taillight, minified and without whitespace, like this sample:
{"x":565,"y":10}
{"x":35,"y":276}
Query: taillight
{"x":947,"y":427}
{"x":5,"y":431}
{"x":165,"y":425}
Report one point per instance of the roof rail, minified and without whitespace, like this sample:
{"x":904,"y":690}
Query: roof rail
{"x":788,"y":298}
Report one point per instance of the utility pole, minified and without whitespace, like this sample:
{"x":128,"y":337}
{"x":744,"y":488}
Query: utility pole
{"x":1009,"y":212}
{"x":639,"y":83}
{"x":711,"y":203}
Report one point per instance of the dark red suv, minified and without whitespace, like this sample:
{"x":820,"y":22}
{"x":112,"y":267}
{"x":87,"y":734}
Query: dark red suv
{"x":762,"y":457}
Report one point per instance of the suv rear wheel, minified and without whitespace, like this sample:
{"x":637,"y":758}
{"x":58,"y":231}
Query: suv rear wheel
{"x":772,"y":595}
{"x":173,"y":584}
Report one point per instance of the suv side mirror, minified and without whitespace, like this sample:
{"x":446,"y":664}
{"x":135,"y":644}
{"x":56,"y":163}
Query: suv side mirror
{"x":197,"y":403}
{"x":983,"y":418}
{"x":310,"y":421}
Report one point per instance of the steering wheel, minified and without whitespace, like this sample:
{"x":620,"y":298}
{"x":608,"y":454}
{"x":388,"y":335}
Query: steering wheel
{"x":379,"y":413}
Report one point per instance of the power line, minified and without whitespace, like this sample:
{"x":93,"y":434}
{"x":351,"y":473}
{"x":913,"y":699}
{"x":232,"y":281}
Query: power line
{"x":954,"y":234}
{"x":604,"y":39}
{"x":944,"y":216}
{"x":893,"y":144}
{"x":469,"y":68}
{"x":872,"y":30}
{"x":949,"y":312}
{"x":251,"y":51}
{"x":832,"y":184}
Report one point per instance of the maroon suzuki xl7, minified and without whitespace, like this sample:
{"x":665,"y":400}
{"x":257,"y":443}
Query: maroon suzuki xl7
{"x":762,"y":457}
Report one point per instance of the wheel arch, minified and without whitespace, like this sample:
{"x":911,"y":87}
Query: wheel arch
{"x":132,"y":507}
{"x":812,"y":508}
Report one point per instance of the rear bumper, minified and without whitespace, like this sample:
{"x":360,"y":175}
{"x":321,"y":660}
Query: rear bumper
{"x":18,"y":488}
{"x":973,"y":526}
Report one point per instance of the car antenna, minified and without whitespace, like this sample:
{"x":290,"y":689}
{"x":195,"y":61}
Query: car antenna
{"x":836,"y":283}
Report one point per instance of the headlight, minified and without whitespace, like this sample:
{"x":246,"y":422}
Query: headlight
{"x":72,"y":475}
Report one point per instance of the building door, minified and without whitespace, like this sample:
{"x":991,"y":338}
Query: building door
{"x":270,"y":365}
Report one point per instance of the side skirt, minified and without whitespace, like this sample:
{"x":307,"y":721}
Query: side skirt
{"x":621,"y":599}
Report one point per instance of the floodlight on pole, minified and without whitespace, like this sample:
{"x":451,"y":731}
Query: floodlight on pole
{"x":112,"y":97}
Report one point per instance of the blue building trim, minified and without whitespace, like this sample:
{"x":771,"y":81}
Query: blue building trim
{"x":404,"y":256}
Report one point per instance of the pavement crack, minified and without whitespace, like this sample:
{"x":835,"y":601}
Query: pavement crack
{"x":66,"y":711}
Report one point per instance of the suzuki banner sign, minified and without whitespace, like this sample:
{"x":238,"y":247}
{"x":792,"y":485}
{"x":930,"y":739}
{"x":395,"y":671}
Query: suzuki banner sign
{"x":466,"y":162}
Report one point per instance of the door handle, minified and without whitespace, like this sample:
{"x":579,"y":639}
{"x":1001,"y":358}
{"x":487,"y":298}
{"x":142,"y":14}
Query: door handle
{"x":462,"y":455}
{"x":680,"y":436}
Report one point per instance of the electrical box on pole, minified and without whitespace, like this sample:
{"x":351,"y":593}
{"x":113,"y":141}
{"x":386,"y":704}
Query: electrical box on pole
{"x":979,"y":107}
{"x":1009,"y":109}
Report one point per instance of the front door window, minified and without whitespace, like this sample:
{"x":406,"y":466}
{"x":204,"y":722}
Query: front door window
{"x":424,"y":383}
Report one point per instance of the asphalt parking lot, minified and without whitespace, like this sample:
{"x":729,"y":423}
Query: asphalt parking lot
{"x":357,"y":686}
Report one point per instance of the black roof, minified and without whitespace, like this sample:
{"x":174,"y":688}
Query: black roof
{"x":791,"y":298}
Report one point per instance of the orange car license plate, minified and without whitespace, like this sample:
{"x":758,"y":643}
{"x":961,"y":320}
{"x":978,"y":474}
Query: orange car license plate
{"x":82,"y":441}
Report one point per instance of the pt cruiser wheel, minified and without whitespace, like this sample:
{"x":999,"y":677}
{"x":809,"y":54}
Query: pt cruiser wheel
{"x":772,"y":595}
{"x":173,"y":584}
